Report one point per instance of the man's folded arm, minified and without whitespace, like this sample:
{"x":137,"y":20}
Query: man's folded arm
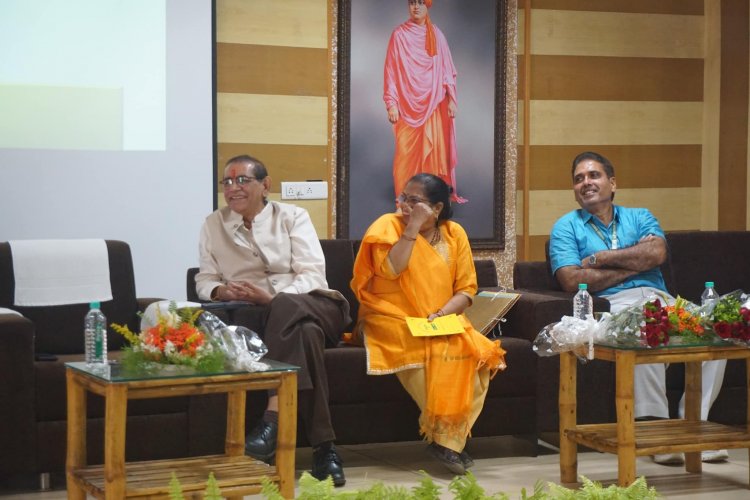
{"x":597,"y":279}
{"x":647,"y":254}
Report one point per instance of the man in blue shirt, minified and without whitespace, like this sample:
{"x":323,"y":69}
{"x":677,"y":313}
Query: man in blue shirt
{"x":617,"y":252}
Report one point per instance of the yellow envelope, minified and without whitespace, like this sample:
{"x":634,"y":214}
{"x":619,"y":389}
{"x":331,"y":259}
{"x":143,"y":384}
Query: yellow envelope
{"x":443,"y":325}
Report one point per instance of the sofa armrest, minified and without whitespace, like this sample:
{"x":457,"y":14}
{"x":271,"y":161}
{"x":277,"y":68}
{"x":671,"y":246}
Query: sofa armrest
{"x":17,"y":438}
{"x":532,"y":312}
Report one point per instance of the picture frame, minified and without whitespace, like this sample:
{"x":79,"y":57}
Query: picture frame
{"x":364,"y":138}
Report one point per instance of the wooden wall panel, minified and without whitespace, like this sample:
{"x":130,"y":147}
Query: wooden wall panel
{"x":289,"y":23}
{"x":614,"y":122}
{"x":584,"y":33}
{"x":272,"y":119}
{"x":733,"y":168}
{"x":265,"y":69}
{"x":613,"y":78}
{"x":690,"y":7}
{"x":711,"y":118}
{"x":537,"y":244}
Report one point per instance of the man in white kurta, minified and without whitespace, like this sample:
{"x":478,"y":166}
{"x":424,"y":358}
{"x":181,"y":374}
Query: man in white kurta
{"x":267,"y":253}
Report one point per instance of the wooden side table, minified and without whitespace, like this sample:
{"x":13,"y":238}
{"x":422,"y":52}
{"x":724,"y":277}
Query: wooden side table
{"x":236,"y":474}
{"x":627,"y":438}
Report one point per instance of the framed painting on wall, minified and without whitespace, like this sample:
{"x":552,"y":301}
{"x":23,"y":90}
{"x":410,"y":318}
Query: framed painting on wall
{"x":471,"y":35}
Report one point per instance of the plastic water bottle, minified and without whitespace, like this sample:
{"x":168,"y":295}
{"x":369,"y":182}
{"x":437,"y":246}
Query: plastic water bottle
{"x":709,"y":294}
{"x":583,"y":304}
{"x":95,"y":330}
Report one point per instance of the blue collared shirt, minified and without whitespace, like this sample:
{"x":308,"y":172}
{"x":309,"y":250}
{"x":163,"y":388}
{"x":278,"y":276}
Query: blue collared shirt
{"x":574,"y":238}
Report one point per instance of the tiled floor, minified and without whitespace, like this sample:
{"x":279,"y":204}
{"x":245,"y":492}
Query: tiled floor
{"x":501,"y":467}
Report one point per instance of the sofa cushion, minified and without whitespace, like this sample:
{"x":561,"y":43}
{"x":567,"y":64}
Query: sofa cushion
{"x":339,"y":256}
{"x":59,"y":329}
{"x":700,"y":256}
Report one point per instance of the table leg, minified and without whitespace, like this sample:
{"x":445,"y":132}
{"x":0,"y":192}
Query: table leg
{"x":234,"y":445}
{"x":568,"y":417}
{"x":287,"y":439}
{"x":693,"y":391}
{"x":747,"y":410}
{"x":76,"y":445}
{"x":625,"y":366}
{"x":116,"y":409}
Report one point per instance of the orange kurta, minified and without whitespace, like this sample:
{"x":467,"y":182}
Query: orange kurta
{"x":428,"y":282}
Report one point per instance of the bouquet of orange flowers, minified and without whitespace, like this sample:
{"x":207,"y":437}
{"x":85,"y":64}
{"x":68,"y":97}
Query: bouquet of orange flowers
{"x":174,"y":340}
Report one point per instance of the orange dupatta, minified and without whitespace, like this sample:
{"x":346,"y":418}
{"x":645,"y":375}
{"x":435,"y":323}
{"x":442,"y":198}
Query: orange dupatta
{"x":451,"y":361}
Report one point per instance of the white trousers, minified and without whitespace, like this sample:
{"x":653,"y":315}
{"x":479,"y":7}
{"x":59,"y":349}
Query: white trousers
{"x":650,"y":387}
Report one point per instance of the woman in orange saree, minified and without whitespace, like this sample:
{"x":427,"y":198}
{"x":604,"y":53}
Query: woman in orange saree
{"x":418,"y":263}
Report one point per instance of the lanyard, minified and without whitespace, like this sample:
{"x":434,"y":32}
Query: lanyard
{"x":599,"y":233}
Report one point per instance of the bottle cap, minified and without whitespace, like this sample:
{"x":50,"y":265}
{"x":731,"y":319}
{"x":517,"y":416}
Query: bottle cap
{"x":709,"y":284}
{"x":582,"y":286}
{"x":94,"y":305}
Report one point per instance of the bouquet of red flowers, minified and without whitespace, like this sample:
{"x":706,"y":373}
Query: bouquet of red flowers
{"x":681,"y":319}
{"x":730,"y":318}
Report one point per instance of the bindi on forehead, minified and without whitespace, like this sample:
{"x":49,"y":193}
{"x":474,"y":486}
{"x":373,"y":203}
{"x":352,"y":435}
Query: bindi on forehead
{"x":236,"y":169}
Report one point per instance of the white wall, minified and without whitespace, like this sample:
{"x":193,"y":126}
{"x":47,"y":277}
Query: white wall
{"x":154,"y":200}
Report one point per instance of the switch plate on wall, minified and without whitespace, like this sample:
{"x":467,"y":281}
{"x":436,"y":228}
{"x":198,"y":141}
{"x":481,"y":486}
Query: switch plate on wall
{"x":308,"y":190}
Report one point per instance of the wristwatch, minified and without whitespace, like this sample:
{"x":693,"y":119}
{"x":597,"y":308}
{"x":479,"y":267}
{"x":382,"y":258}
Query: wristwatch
{"x":592,"y":259}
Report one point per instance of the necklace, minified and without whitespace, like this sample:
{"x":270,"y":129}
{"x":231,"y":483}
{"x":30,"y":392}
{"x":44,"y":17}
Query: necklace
{"x":436,"y":236}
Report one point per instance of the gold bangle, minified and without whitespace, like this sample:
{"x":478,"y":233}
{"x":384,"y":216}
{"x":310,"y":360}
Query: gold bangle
{"x":408,"y":238}
{"x":440,"y":312}
{"x":215,"y":294}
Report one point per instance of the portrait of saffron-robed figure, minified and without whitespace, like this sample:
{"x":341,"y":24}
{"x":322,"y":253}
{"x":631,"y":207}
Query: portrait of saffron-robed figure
{"x":421,"y":89}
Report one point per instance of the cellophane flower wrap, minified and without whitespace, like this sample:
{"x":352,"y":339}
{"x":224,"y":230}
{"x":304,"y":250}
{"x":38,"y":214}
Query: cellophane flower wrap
{"x":565,"y":335}
{"x":242,"y":347}
{"x":654,"y":322}
{"x":175,"y":339}
{"x":730,"y":318}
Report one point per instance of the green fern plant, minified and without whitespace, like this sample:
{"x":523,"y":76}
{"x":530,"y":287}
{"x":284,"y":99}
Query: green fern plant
{"x":463,"y":487}
{"x":212,"y":489}
{"x":175,"y":488}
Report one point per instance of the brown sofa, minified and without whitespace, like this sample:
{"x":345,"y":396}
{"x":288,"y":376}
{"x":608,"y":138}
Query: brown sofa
{"x":33,"y":350}
{"x":694,"y":257}
{"x":367,"y":409}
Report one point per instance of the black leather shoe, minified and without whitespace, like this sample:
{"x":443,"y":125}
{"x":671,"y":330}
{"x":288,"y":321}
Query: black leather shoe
{"x":449,"y":458}
{"x":261,"y":442}
{"x":466,"y":459}
{"x":326,"y":462}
